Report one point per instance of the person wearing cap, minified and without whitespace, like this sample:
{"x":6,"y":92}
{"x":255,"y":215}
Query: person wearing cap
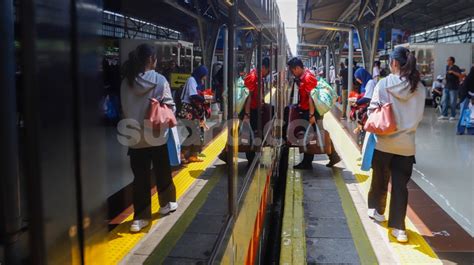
{"x":306,"y":82}
{"x":394,"y":153}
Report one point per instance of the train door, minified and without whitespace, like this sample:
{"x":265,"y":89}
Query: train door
{"x":61,"y":137}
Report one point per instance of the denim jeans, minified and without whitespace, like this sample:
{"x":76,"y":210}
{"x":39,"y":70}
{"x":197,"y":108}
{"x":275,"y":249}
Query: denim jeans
{"x":449,"y":100}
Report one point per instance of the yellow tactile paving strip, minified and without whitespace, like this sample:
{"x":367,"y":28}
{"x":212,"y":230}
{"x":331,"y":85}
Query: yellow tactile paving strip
{"x":417,"y":250}
{"x":121,"y":241}
{"x":293,"y":240}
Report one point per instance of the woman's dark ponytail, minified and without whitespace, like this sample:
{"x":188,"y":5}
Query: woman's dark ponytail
{"x":410,"y":72}
{"x":137,"y":61}
{"x":408,"y":69}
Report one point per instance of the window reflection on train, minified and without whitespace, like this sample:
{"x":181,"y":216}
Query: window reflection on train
{"x":176,"y":61}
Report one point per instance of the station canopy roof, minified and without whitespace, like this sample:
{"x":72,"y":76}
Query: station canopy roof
{"x":166,"y":13}
{"x":414,"y":16}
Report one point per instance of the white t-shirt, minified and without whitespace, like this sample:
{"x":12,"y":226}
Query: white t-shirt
{"x":369,"y":89}
{"x":437,"y":85}
{"x":332,"y":76}
{"x":376,"y":72}
{"x":190,"y":89}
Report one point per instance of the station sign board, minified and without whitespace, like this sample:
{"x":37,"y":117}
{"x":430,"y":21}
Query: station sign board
{"x":178,"y":80}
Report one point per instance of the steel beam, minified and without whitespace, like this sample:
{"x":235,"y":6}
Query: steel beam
{"x":321,"y":26}
{"x":394,"y":9}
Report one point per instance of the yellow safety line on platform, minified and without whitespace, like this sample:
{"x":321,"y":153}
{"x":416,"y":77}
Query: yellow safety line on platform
{"x":293,"y":240}
{"x":121,"y":241}
{"x":417,"y":250}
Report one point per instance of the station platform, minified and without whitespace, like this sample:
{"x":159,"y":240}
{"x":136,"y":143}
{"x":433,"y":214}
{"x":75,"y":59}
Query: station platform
{"x":189,"y":235}
{"x":328,"y":207}
{"x":123,"y":246}
{"x":325,"y":218}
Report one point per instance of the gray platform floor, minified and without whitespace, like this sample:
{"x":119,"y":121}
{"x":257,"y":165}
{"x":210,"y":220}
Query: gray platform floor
{"x":445,"y":167}
{"x":196,"y":244}
{"x":328,"y":238}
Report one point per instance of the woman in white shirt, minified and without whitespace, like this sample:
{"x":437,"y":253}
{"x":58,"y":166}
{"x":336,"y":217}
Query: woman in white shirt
{"x":192,"y":114}
{"x":367,"y":84}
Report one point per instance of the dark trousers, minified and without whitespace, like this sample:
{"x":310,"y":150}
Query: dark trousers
{"x":345,"y":97}
{"x":192,"y":145}
{"x":399,"y":169}
{"x":254,"y":124}
{"x":141,"y":161}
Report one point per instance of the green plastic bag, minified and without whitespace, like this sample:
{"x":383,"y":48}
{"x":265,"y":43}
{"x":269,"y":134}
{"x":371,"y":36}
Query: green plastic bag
{"x":241,"y":95}
{"x":324,"y":96}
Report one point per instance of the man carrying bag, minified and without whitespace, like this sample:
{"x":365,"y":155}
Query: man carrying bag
{"x":306,"y":109}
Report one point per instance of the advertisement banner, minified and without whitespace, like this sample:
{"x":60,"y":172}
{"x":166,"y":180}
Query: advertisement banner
{"x":381,"y":43}
{"x":400,"y":36}
{"x":355,"y":41}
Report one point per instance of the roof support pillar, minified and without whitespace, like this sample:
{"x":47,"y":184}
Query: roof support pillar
{"x":321,"y":26}
{"x":378,"y":19}
{"x":350,"y":67}
{"x":375,"y":37}
{"x":327,"y":64}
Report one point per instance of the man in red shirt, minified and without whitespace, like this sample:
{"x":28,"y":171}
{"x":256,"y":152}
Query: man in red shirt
{"x":306,"y":82}
{"x":251,"y":82}
{"x":251,"y":105}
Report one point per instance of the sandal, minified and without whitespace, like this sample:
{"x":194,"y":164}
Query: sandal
{"x":184,"y":160}
{"x":194,"y":159}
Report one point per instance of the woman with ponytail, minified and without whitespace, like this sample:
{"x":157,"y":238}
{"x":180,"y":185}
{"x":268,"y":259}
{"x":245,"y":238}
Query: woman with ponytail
{"x":394,"y":154}
{"x":141,"y":83}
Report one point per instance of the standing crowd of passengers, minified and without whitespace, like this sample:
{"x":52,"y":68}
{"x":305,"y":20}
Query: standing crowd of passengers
{"x":393,"y":157}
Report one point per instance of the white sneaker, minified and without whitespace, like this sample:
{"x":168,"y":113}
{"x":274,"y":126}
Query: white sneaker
{"x":400,"y":235}
{"x":452,"y":119}
{"x":138,"y":225}
{"x":373,"y":214}
{"x":169,"y":208}
{"x":442,"y":118}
